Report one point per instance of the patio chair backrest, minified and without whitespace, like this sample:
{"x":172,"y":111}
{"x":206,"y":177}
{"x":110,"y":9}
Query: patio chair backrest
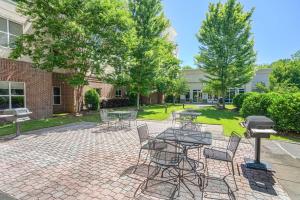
{"x":143,"y":133}
{"x":134,"y":114}
{"x":233,"y":144}
{"x":103,"y":114}
{"x":174,"y":115}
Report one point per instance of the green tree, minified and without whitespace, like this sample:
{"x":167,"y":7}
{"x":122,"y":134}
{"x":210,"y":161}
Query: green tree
{"x":285,"y":75}
{"x":226,"y":46}
{"x":180,"y":87}
{"x":80,"y":37}
{"x":296,"y":56}
{"x":261,"y":87}
{"x":151,"y":25}
{"x":186,"y":67}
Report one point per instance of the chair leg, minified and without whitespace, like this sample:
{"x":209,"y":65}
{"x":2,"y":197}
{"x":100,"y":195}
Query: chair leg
{"x":137,"y":164}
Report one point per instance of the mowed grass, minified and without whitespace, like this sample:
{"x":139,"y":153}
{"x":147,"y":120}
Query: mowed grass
{"x":157,"y":112}
{"x":228,"y":118}
{"x":57,"y":120}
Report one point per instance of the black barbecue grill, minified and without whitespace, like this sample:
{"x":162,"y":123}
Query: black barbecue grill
{"x":17,"y":115}
{"x":258,"y":127}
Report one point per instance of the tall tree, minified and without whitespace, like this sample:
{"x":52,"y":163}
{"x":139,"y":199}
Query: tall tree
{"x":150,"y":23}
{"x":226,"y":46}
{"x":80,"y":37}
{"x":285,"y":75}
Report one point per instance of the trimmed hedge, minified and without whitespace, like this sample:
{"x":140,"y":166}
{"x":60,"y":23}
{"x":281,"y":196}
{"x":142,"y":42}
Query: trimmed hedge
{"x":239,"y":99}
{"x":112,"y":103}
{"x":91,"y":97}
{"x":284,"y":109}
{"x":251,"y":105}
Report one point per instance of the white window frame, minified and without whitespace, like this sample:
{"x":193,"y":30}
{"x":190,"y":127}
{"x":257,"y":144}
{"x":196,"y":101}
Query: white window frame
{"x":10,"y":95}
{"x":8,"y":33}
{"x":56,"y":95}
{"x":118,"y":95}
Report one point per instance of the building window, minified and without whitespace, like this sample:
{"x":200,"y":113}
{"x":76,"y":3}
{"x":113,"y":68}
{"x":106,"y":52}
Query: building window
{"x":9,"y":31}
{"x":56,"y":96}
{"x":12,"y":95}
{"x":241,"y":90}
{"x":118,"y":93}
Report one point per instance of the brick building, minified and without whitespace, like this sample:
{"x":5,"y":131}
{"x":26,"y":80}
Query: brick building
{"x":21,"y":85}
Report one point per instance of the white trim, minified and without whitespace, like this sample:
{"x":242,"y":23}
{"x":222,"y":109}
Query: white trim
{"x":54,"y":104}
{"x":8,"y":33}
{"x":10,"y":95}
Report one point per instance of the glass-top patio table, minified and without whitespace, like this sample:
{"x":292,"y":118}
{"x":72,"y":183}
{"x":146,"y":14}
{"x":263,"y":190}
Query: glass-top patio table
{"x":120,"y":114}
{"x":187,"y":139}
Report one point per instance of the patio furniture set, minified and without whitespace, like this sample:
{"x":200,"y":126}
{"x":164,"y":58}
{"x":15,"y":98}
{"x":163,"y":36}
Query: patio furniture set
{"x":118,"y":118}
{"x":168,"y":154}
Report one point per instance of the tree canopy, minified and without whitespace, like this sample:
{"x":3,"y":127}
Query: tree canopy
{"x":81,"y":37}
{"x":285,"y":75}
{"x":226,"y":46}
{"x":153,"y":52}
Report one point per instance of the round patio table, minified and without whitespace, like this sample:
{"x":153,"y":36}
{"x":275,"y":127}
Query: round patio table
{"x":120,"y":114}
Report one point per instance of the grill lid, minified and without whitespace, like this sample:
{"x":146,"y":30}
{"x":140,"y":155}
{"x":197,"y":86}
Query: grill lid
{"x":259,"y":122}
{"x":17,"y":112}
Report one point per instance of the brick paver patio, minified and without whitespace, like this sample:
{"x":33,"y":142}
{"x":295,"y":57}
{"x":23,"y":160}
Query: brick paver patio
{"x":87,"y":162}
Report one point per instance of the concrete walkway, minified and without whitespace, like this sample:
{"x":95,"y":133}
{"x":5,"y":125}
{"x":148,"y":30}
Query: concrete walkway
{"x":285,"y":160}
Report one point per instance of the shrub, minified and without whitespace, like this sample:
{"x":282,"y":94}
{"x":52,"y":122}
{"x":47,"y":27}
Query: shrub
{"x":112,"y":103}
{"x":251,"y":105}
{"x":239,"y":99}
{"x":258,"y":104}
{"x":91,"y":97}
{"x":266,"y":101}
{"x":285,"y":111}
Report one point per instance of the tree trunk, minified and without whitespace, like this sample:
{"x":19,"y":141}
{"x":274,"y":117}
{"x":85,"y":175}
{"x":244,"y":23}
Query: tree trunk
{"x":166,"y":108}
{"x":78,"y":100}
{"x":138,"y":101}
{"x":173,"y":99}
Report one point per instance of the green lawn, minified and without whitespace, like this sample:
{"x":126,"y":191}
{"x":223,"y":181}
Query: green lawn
{"x":209,"y":115}
{"x":58,"y":120}
{"x":157,"y":112}
{"x":231,"y":122}
{"x":228,"y":118}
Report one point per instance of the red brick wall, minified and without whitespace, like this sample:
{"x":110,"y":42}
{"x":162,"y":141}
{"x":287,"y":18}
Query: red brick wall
{"x":107,"y":90}
{"x":38,"y":85}
{"x":153,"y":98}
{"x":67,"y":94}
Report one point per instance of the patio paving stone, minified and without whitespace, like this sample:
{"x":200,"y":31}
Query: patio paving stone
{"x":86,"y":161}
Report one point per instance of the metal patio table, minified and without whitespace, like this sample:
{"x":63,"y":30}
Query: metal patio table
{"x":120,"y":114}
{"x":187,"y":139}
{"x":188,"y":117}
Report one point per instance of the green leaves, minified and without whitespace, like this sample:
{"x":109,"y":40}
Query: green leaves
{"x":226,"y":45}
{"x":79,"y":36}
{"x":285,"y":75}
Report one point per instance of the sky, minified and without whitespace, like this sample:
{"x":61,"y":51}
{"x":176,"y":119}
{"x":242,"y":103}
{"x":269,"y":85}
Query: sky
{"x":275,"y":27}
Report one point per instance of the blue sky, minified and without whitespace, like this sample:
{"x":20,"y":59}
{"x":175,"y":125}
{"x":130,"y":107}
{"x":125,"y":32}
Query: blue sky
{"x":275,"y":26}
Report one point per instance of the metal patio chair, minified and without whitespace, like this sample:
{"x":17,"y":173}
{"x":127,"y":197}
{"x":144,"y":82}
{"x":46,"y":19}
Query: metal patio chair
{"x":175,"y":118}
{"x":223,"y":154}
{"x":109,"y":120}
{"x":147,"y":143}
{"x":163,"y":160}
{"x":132,"y":117}
{"x":181,"y":169}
